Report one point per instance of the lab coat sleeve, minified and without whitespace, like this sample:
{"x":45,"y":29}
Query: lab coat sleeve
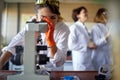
{"x":97,"y":39}
{"x":17,"y":40}
{"x":60,"y":56}
{"x":74,"y":44}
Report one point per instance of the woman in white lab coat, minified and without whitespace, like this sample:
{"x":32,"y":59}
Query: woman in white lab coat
{"x":55,"y":38}
{"x":79,"y":41}
{"x":101,"y":38}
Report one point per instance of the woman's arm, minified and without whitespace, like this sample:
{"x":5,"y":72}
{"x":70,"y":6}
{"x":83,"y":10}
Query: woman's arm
{"x":97,"y":39}
{"x":9,"y":50}
{"x":4,"y":58}
{"x":61,"y":44}
{"x":76,"y":40}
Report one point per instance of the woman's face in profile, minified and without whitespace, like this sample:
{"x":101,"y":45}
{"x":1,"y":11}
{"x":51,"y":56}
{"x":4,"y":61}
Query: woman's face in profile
{"x":45,"y":12}
{"x":106,"y":15}
{"x":83,"y":15}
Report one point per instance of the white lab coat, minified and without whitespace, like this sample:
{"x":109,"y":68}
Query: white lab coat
{"x":60,"y":36}
{"x":77,"y":42}
{"x":102,"y":54}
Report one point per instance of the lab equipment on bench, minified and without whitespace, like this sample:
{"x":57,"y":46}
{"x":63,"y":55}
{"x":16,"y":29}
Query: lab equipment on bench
{"x":104,"y":73}
{"x":15,"y":63}
{"x":38,"y":26}
{"x":41,"y":60}
{"x":30,"y":53}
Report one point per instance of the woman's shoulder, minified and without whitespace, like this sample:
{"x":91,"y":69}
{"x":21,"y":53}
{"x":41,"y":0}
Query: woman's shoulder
{"x":97,"y":26}
{"x":74,"y":25}
{"x":62,"y":26}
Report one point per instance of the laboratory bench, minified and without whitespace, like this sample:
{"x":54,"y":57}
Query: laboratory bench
{"x":5,"y":73}
{"x":57,"y":75}
{"x":83,"y":75}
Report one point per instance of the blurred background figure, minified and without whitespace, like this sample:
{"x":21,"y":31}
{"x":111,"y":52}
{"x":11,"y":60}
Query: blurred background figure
{"x":79,"y":41}
{"x":101,"y":37}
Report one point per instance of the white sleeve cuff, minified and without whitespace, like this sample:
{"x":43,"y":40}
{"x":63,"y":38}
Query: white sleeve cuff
{"x":11,"y":50}
{"x":104,"y":40}
{"x":59,"y":58}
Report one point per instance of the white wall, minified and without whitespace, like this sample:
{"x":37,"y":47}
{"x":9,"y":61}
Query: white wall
{"x":1,"y":10}
{"x":9,"y":25}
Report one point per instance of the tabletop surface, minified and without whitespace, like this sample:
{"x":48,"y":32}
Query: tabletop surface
{"x":57,"y":75}
{"x":6,"y":72}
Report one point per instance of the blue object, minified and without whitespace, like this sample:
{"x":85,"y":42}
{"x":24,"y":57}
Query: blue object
{"x":68,"y":77}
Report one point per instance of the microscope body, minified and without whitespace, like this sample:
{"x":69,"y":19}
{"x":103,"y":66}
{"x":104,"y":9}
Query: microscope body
{"x":30,"y":52}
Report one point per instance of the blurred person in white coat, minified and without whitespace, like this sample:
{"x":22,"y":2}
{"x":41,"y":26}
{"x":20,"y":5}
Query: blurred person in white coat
{"x":101,"y":38}
{"x":55,"y":38}
{"x":79,"y":41}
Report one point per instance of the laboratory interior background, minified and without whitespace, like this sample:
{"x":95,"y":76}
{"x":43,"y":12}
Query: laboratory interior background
{"x":15,"y":13}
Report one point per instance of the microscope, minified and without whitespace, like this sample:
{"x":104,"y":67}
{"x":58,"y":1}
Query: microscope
{"x":31,"y":56}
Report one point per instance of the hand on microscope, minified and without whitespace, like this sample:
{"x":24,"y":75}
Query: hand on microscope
{"x":50,"y":32}
{"x":50,"y":36}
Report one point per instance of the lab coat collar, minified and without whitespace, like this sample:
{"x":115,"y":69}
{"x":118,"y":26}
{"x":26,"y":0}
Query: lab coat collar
{"x":101,"y":24}
{"x":80,"y":23}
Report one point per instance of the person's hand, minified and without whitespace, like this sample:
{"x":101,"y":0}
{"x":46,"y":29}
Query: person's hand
{"x":1,"y":62}
{"x":0,"y":66}
{"x":36,"y":37}
{"x":107,"y":35}
{"x":50,"y":32}
{"x":91,"y":45}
